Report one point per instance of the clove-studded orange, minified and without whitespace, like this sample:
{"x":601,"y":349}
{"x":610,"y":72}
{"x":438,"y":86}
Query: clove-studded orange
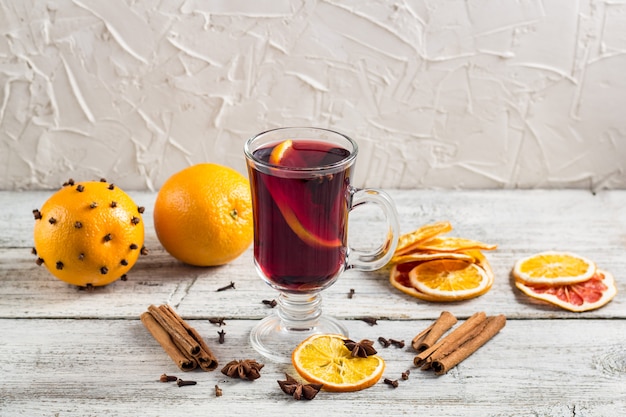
{"x":89,"y":233}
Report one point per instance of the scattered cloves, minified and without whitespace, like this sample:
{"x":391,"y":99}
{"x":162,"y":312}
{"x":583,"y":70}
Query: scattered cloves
{"x":39,"y":261}
{"x":69,"y":182}
{"x":217,"y":320}
{"x":397,"y":343}
{"x":271,"y":303}
{"x":124,"y":277}
{"x":218,"y":391}
{"x":182,"y":383}
{"x":405,"y":374}
{"x":168,"y":378}
{"x":384,"y":342}
{"x":140,"y":209}
{"x":227,"y":287}
{"x":372,"y":321}
{"x":143,"y":251}
{"x":351,"y":293}
{"x":222,"y":337}
{"x":394,"y":383}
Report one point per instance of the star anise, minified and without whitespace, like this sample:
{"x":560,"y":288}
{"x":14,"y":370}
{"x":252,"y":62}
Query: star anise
{"x":244,"y":369}
{"x":361,"y":349}
{"x":298,"y":390}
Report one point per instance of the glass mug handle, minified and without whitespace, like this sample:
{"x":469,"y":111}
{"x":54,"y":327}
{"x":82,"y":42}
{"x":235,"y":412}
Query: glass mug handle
{"x":370,"y":260}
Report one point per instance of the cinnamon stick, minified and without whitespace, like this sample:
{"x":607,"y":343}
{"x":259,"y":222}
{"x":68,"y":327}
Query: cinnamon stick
{"x":183,"y":362}
{"x":490,"y":328}
{"x":176,"y":331}
{"x":451,"y":339}
{"x":429,"y":336}
{"x":205,"y":357}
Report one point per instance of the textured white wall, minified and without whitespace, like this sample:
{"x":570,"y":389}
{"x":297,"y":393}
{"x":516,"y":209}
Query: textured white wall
{"x":438,"y":93}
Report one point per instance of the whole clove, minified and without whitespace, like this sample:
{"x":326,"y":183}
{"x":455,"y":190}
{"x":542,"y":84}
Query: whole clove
{"x":394,"y":383}
{"x":217,"y":320}
{"x":397,"y":343}
{"x":384,"y":342}
{"x":271,"y":303}
{"x":168,"y":378}
{"x":227,"y":287}
{"x":372,"y":321}
{"x":182,"y":383}
{"x":222,"y":337}
{"x":218,"y":391}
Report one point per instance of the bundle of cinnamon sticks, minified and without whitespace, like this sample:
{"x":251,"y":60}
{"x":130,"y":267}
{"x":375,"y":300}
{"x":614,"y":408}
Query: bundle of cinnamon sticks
{"x":441,"y":355}
{"x":182,"y":343}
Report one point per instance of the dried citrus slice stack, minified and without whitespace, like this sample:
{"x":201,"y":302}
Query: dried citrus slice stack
{"x":439,"y":268}
{"x":564,"y":279}
{"x":324,"y":359}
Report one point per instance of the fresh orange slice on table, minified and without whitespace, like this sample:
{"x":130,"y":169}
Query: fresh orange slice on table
{"x":554,"y":268}
{"x":450,"y":280}
{"x":324,"y":359}
{"x":283,"y":154}
{"x":583,"y":296}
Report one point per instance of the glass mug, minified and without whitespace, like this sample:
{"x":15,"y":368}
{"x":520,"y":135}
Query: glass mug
{"x":301,"y":198}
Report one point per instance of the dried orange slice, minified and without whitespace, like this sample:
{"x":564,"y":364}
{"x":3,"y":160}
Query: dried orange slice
{"x":452,"y":244}
{"x":554,"y":268}
{"x":450,"y":280}
{"x":399,"y":279}
{"x":430,"y":256}
{"x":407,"y":241}
{"x":323,"y":359}
{"x":583,"y":296}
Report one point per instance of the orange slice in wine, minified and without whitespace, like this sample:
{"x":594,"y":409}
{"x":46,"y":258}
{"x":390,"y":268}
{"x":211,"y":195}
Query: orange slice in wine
{"x":284,"y":154}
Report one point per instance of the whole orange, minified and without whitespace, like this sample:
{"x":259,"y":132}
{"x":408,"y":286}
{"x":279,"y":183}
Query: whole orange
{"x":88,"y":233}
{"x":203,"y":215}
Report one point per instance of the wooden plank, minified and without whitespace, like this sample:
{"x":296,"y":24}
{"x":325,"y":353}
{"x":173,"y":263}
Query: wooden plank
{"x":520,"y":222}
{"x":110,"y":368}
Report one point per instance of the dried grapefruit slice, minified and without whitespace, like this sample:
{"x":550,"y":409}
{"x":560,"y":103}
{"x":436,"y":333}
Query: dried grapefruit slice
{"x":554,"y":268}
{"x":324,"y":359}
{"x":450,"y":280}
{"x":583,"y":296}
{"x":407,"y":241}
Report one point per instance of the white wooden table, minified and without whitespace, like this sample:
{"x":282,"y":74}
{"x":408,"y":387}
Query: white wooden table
{"x":65,"y":352}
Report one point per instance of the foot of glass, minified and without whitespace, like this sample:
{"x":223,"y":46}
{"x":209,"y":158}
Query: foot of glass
{"x":297,"y":316}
